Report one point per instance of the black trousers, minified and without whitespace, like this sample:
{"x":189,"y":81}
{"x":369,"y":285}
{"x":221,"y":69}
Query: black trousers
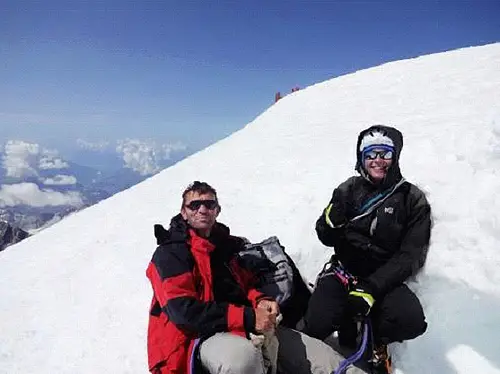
{"x":397,"y":316}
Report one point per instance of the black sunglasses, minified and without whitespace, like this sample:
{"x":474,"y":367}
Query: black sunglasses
{"x":196,"y":204}
{"x":373,"y":154}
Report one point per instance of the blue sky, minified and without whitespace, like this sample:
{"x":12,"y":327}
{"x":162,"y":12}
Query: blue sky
{"x":196,"y":71}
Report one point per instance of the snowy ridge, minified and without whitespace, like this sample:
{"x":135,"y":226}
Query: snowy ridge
{"x":74,"y":298}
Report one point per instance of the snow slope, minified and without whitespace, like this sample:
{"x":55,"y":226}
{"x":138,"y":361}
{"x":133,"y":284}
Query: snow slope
{"x":74,"y":298}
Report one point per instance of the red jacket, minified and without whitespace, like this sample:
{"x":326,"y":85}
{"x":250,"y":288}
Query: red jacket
{"x":183,"y":306}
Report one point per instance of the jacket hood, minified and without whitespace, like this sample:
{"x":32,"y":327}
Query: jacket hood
{"x":177,"y":232}
{"x":394,"y":173}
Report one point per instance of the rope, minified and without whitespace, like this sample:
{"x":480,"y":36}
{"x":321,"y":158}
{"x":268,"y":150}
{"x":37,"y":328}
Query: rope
{"x":356,"y":356}
{"x":192,"y":364}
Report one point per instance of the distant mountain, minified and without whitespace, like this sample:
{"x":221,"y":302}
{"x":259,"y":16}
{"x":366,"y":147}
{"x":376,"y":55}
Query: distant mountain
{"x":85,"y":175}
{"x":106,"y":161}
{"x":10,"y":235}
{"x":119,"y":181}
{"x":32,"y":219}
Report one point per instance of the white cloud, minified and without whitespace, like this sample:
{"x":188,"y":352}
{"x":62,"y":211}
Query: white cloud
{"x":20,"y":158}
{"x":139,"y":156}
{"x":60,"y":180}
{"x":30,"y":194}
{"x":145,"y":157}
{"x":92,"y":146}
{"x":23,"y":159}
{"x":51,"y":161}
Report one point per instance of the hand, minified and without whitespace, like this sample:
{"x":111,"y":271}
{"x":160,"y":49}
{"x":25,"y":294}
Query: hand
{"x":270,"y":305}
{"x":336,"y":212}
{"x":360,"y":300}
{"x":264,"y":320}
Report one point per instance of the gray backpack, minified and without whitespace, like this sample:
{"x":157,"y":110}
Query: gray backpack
{"x":272,"y":266}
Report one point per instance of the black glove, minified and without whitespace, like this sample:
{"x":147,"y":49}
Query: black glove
{"x":360,"y":299}
{"x":334,"y":215}
{"x":338,"y":211}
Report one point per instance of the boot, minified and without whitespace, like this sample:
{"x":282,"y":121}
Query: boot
{"x":381,"y":362}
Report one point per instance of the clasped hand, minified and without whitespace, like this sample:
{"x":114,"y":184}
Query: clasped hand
{"x":265,"y":315}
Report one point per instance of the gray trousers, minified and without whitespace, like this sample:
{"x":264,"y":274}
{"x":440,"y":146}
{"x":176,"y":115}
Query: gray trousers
{"x":226,"y":353}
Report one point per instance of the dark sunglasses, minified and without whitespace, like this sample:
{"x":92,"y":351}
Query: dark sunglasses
{"x":373,"y":154}
{"x":196,"y":204}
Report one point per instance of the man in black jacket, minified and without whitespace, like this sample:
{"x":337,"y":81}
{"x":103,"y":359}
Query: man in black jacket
{"x":379,"y":226}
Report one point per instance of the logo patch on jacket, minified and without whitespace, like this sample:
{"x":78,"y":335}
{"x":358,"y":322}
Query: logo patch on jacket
{"x":389,"y":210}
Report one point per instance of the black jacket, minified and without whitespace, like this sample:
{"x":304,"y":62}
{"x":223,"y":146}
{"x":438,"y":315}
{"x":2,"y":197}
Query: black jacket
{"x":384,"y":246}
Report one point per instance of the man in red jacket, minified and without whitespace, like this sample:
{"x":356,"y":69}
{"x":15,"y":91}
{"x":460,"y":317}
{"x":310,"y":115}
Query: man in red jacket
{"x":205,"y":305}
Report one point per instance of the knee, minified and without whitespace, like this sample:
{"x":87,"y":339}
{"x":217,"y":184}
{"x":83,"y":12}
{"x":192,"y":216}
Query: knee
{"x":241,"y":357}
{"x":412,"y":330}
{"x":415,"y":324}
{"x":402,"y":329}
{"x":418,"y":326}
{"x":401,"y":315}
{"x":317,"y":328}
{"x":247,"y":361}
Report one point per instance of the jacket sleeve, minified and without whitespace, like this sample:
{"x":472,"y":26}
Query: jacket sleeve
{"x":249,"y":281}
{"x":171,"y":275}
{"x":330,"y":225}
{"x":411,"y":256}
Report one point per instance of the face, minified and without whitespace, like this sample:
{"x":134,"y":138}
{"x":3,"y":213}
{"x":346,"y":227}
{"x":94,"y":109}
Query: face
{"x":200,"y":216}
{"x":377,"y":166}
